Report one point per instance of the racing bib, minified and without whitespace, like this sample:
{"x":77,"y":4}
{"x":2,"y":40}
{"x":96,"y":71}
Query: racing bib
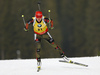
{"x":40,"y":28}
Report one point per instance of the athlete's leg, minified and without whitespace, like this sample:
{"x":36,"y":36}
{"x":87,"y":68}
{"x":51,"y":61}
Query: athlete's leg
{"x":37,"y":39}
{"x":51,"y":41}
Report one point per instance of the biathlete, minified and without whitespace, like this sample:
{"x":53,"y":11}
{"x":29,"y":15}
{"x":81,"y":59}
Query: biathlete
{"x":41,"y":32}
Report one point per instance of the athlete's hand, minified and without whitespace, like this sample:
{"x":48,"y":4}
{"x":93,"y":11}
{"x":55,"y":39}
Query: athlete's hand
{"x":26,"y":29}
{"x":51,"y":28}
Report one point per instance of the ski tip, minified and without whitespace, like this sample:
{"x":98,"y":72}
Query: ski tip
{"x":86,"y":65}
{"x":37,"y":70}
{"x":39,"y":67}
{"x":22,"y":15}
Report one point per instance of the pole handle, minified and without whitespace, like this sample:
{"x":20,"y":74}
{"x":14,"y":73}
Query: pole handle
{"x":49,"y":18}
{"x":23,"y":20}
{"x":22,"y":15}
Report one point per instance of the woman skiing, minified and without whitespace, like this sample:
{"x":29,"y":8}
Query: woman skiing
{"x":41,"y":32}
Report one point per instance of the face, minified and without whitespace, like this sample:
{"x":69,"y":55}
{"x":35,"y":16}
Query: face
{"x":39,"y":19}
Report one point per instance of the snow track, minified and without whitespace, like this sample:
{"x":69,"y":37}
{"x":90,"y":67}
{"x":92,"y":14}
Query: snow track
{"x":50,"y":67}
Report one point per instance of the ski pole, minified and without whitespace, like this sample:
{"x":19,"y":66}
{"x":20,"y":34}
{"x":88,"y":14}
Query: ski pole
{"x":49,"y":18}
{"x":23,"y":20}
{"x":39,"y":5}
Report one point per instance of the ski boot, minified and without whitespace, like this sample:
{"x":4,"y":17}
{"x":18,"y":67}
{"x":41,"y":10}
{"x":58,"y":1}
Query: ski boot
{"x":38,"y":65}
{"x":65,"y":58}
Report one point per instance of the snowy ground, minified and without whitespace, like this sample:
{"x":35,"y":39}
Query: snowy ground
{"x":50,"y":67}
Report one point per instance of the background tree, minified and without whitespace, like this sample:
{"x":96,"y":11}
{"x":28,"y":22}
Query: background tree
{"x":76,"y":22}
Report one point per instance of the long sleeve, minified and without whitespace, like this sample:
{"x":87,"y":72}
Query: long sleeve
{"x":29,"y":22}
{"x":51,"y":23}
{"x":47,"y":21}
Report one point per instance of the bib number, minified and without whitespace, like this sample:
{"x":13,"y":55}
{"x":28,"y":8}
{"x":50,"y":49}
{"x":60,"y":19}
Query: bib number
{"x":39,"y":29}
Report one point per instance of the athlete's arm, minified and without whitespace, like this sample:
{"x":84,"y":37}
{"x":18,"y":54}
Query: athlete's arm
{"x":47,"y":21}
{"x":29,"y":22}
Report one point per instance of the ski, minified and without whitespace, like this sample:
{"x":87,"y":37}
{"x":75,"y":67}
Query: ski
{"x":72,"y":62}
{"x":39,"y":68}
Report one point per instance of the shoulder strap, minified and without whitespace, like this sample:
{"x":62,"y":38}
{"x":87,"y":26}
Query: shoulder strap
{"x":43,"y":19}
{"x":34,"y":18}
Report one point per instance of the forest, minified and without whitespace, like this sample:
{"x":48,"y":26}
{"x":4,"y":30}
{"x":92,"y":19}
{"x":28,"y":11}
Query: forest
{"x":76,"y":28}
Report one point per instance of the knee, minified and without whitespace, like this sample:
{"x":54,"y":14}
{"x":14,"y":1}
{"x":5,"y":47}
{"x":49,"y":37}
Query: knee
{"x":57,"y":48}
{"x":38,"y":50}
{"x":51,"y":40}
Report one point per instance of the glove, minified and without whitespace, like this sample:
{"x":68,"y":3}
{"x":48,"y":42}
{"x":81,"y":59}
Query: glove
{"x":26,"y":30}
{"x":51,"y":28}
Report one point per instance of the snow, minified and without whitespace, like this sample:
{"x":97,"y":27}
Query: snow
{"x":50,"y":67}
